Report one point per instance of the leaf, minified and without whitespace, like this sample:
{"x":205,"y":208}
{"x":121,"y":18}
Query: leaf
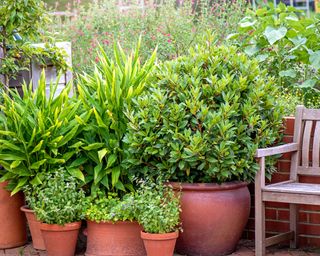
{"x":308,"y":83}
{"x":78,"y":162}
{"x":102,"y":153}
{"x":37,"y":148}
{"x":36,"y":165}
{"x":111,"y":159}
{"x":75,"y":172}
{"x":273,"y":35}
{"x":98,"y":175}
{"x":94,"y":146}
{"x":15,"y":164}
{"x":314,"y":58}
{"x":247,"y":22}
{"x":288,"y":73}
{"x":20,"y":184}
{"x":13,"y":157}
{"x":262,"y":57}
{"x":115,"y":175}
{"x":251,"y":50}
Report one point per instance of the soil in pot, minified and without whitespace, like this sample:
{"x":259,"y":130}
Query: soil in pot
{"x":34,"y":226}
{"x":213,"y":217}
{"x":159,"y":244}
{"x":117,"y":239}
{"x":13,"y":228}
{"x":60,"y":240}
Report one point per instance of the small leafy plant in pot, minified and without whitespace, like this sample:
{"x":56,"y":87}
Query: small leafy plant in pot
{"x":60,"y":207}
{"x":199,"y":124}
{"x":112,"y":228}
{"x":158,"y":213}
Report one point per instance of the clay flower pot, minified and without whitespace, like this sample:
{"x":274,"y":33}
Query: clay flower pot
{"x":34,"y":226}
{"x":159,"y":244}
{"x":60,"y":240}
{"x":213,"y":217}
{"x":13,"y":228}
{"x":121,"y":238}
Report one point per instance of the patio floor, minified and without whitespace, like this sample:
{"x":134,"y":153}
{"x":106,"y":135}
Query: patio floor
{"x":245,"y":248}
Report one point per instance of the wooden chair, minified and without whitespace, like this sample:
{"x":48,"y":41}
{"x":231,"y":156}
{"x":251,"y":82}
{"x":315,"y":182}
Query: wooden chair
{"x":303,"y":162}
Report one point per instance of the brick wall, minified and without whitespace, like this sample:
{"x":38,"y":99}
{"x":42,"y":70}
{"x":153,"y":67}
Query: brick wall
{"x":277,"y":214}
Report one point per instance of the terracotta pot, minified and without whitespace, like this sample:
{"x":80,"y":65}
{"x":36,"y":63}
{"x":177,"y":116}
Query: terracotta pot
{"x":159,"y":244}
{"x":34,"y":226}
{"x":117,"y":239}
{"x":60,"y":240}
{"x":213,"y":217}
{"x":13,"y":228}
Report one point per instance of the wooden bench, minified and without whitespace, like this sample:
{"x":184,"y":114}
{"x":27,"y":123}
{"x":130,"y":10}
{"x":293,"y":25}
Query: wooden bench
{"x":305,"y":150}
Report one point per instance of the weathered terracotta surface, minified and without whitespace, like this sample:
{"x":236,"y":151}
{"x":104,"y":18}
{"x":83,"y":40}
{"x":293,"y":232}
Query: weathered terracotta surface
{"x":118,"y":239}
{"x":12,"y":221}
{"x":159,"y":244}
{"x":60,"y":240}
{"x":34,"y":226}
{"x":213,"y":217}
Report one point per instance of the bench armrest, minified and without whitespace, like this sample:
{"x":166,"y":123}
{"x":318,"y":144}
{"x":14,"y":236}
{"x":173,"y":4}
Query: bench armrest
{"x":290,"y":147}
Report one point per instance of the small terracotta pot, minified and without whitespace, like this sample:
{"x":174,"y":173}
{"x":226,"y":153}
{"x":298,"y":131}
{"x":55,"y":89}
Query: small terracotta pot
{"x":13,"y":226}
{"x":117,"y":239}
{"x":60,"y":240}
{"x":213,"y":217}
{"x":159,"y":244}
{"x":34,"y":226}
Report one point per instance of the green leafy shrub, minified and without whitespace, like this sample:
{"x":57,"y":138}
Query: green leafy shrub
{"x":111,"y":207}
{"x":204,"y":118}
{"x":36,"y":134}
{"x":104,"y":95}
{"x":158,"y":208}
{"x":58,"y":200}
{"x":286,"y":44}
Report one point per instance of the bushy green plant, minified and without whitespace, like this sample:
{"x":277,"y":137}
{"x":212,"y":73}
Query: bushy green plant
{"x":286,"y":44}
{"x":204,"y":118}
{"x":36,"y":134}
{"x":102,"y":208}
{"x":58,"y":200}
{"x":172,"y":29}
{"x":158,"y":208}
{"x":104,"y":95}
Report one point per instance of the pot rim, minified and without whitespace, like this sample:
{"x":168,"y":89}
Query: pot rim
{"x":165,"y":236}
{"x":184,"y":186}
{"x":111,"y":222}
{"x":25,"y":208}
{"x":58,"y":228}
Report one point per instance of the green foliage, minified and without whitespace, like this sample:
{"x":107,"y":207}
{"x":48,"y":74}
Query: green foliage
{"x":158,"y":208}
{"x":204,"y":118}
{"x":58,"y":200}
{"x":286,"y":44}
{"x":104,"y":95}
{"x":20,"y":23}
{"x":111,"y":207}
{"x":36,"y":132}
{"x":172,"y":29}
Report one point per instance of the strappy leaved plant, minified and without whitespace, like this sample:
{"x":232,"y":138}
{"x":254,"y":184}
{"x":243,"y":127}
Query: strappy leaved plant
{"x":105,"y":93}
{"x":35,"y":134}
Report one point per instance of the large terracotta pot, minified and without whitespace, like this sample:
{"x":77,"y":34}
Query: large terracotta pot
{"x":34,"y":226}
{"x":13,"y":230}
{"x":118,"y":239}
{"x":60,"y":240}
{"x":159,"y":244}
{"x":213,"y":217}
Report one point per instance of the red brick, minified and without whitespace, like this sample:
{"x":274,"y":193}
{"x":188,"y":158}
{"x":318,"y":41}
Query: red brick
{"x":277,"y":205}
{"x":306,"y":207}
{"x":250,"y":223}
{"x":303,"y":216}
{"x":309,"y":241}
{"x":309,"y":229}
{"x":277,"y":226}
{"x":310,"y":179}
{"x":287,"y":139}
{"x":289,"y":125}
{"x":283,"y":214}
{"x":279,"y":177}
{"x":314,"y":217}
{"x":286,"y":156}
{"x":271,"y":214}
{"x":283,"y":166}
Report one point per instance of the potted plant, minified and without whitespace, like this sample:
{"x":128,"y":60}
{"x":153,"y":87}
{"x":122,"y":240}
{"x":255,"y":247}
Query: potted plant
{"x":59,"y":205}
{"x":36,"y":135}
{"x":200,"y":124}
{"x":158,"y":213}
{"x":112,"y":228}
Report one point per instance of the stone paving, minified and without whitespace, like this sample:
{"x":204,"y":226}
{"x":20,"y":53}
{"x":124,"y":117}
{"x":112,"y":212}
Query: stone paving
{"x":245,"y":248}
